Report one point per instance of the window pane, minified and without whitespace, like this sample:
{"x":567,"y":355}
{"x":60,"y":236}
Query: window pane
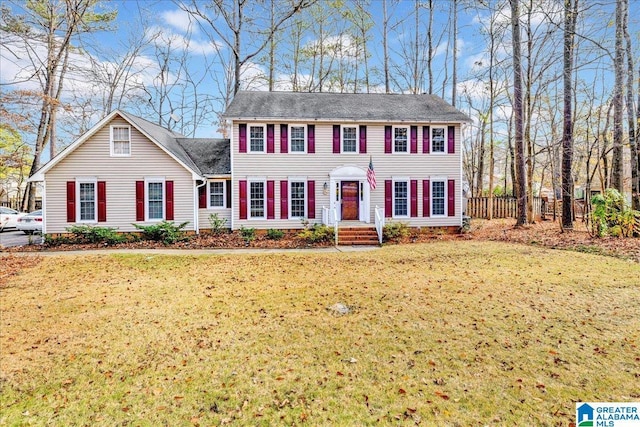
{"x":297,"y":199}
{"x":437,"y":139}
{"x":87,"y":201}
{"x":349,"y":140}
{"x":297,"y":139}
{"x":437,"y":197}
{"x":216,"y":194}
{"x":156,"y":201}
{"x":400,"y":140}
{"x":256,"y":138}
{"x":400,"y":197}
{"x":256,"y":194}
{"x":121,"y":142}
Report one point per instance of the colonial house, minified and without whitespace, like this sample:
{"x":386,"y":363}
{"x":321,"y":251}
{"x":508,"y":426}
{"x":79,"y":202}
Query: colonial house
{"x":293,"y":158}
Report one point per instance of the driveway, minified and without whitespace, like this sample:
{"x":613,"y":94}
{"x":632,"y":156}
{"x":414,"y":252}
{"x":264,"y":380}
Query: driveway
{"x":17,"y":238}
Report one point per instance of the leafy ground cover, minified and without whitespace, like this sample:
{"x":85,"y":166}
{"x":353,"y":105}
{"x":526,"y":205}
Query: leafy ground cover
{"x":446,"y":333}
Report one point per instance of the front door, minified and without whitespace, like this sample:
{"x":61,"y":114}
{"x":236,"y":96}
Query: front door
{"x":349,"y":200}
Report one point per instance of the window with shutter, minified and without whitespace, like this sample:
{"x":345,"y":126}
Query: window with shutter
{"x":217,"y":194}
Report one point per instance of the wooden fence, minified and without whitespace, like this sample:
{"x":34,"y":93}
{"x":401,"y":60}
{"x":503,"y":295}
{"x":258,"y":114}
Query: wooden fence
{"x":503,"y":207}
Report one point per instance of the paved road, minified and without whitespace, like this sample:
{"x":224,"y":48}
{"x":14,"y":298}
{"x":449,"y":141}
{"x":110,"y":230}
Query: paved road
{"x":17,"y":238}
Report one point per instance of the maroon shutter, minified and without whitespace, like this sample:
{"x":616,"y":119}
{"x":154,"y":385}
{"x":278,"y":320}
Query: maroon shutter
{"x":414,"y":139}
{"x":168,"y":189}
{"x":102,"y":201}
{"x":228,"y":206}
{"x":270,"y":139}
{"x":414,"y":198}
{"x":139,"y":200}
{"x":311,"y":199}
{"x":242,"y":131}
{"x":426,"y":198}
{"x":202,"y":197}
{"x":387,"y":139}
{"x":271,"y":207}
{"x":451,"y":139}
{"x":336,"y":139}
{"x":451,"y":197}
{"x":243,"y":199}
{"x":388,"y":198}
{"x":284,"y":140}
{"x":284,"y":199}
{"x":311,"y":139}
{"x":363,"y":139}
{"x":426,"y":137}
{"x":71,"y":201}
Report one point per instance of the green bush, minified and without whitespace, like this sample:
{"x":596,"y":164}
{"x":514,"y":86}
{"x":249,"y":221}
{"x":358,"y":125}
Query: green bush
{"x":218,"y":225}
{"x":165,"y":232}
{"x":93,"y":234}
{"x":317,"y":233}
{"x":611,"y":215}
{"x":273,"y":234}
{"x":248,"y":234}
{"x":394,"y":231}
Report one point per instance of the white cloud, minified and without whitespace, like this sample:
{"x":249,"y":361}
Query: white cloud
{"x":192,"y":44}
{"x":179,"y":19}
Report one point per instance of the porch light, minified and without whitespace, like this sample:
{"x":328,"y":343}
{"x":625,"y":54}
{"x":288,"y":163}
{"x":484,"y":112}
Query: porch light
{"x":325,"y":188}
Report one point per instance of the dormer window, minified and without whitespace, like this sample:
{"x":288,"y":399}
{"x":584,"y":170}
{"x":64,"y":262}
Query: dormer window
{"x":120,"y":141}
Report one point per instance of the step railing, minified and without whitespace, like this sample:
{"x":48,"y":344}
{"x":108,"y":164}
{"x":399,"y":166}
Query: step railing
{"x":379,"y":222}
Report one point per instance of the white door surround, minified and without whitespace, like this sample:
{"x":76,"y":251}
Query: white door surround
{"x":350,"y":173}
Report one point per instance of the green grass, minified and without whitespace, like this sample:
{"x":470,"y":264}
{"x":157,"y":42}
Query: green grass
{"x":448,"y":333}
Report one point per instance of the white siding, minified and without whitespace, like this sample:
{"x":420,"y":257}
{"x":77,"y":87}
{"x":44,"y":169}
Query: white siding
{"x":317,"y":166}
{"x":92,"y":159}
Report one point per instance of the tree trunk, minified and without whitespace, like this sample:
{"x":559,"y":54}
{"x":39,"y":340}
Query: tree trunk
{"x":570,"y":15}
{"x":521,"y":184}
{"x":430,"y":47}
{"x":385,"y":47}
{"x":454,"y":76}
{"x":631,"y":117}
{"x":617,"y":178}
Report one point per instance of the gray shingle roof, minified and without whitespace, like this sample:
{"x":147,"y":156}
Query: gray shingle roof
{"x":342,"y":106}
{"x":212,"y":156}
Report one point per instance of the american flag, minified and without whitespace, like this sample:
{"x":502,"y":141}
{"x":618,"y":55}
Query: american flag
{"x":371,"y":175}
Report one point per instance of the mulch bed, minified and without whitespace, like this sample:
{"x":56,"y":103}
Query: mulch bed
{"x":543,"y":233}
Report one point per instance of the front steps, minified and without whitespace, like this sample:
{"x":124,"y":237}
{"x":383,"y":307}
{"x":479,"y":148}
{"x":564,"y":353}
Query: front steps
{"x":349,"y":236}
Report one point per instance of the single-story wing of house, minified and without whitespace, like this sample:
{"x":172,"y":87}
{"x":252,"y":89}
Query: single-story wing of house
{"x":293,"y":158}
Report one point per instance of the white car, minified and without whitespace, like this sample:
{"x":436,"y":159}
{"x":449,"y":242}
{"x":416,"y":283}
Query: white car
{"x":9,"y":218}
{"x":31,"y":223}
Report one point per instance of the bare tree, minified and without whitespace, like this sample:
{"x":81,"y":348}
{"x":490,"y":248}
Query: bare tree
{"x":631,"y":114}
{"x":617,"y":179}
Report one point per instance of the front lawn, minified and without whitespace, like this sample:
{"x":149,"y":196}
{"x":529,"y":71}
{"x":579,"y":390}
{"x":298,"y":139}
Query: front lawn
{"x":446,"y":333}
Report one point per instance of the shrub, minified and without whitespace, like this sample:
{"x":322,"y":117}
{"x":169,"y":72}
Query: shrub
{"x":394,"y":231}
{"x":248,"y":234}
{"x":273,"y":234}
{"x":218,"y":225}
{"x":611,"y":215}
{"x":317,"y":233}
{"x":93,"y":234}
{"x":165,"y":232}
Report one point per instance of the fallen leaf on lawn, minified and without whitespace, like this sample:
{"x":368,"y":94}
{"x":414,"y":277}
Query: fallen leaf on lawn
{"x":402,"y":391}
{"x":442,"y":395}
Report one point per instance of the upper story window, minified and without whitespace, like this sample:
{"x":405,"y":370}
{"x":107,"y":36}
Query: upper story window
{"x":120,"y":141}
{"x":401,"y":140}
{"x":298,"y":139}
{"x":256,"y":139}
{"x":349,"y":139}
{"x":217,"y":194}
{"x":87,"y":205}
{"x":438,"y":197}
{"x":438,"y":139}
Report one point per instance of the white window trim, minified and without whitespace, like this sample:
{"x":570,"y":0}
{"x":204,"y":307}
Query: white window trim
{"x":342,"y":128}
{"x":224,"y":194}
{"x":433,"y":180}
{"x":291,"y":180}
{"x":87,"y":180}
{"x":444,"y":146}
{"x":393,"y":196}
{"x":393,"y":139}
{"x":111,"y":140}
{"x":148,"y":181}
{"x":249,"y":182}
{"x":264,"y":133}
{"x":306,"y":139}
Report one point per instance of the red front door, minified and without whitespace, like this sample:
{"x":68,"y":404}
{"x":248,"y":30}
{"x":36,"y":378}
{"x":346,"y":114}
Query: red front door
{"x":349,"y":200}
